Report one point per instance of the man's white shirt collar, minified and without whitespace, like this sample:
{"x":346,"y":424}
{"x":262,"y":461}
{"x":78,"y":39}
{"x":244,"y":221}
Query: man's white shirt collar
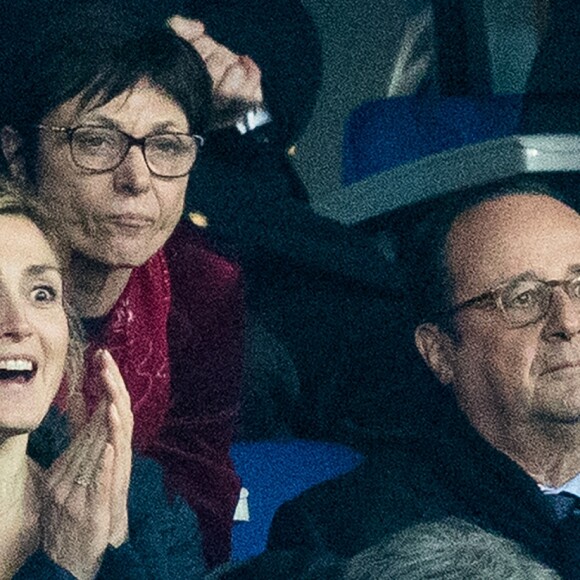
{"x":571,"y":486}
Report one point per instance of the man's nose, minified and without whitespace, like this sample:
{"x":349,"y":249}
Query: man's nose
{"x":563,"y":320}
{"x":132,"y":176}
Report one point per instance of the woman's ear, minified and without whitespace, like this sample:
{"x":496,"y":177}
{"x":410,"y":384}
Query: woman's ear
{"x":436,"y":348}
{"x":12,"y":144}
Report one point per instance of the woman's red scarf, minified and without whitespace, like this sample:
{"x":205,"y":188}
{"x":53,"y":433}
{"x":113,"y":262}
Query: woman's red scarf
{"x":136,"y":335}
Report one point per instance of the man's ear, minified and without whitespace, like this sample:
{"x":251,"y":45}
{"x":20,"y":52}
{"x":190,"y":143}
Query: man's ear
{"x":12,"y":144}
{"x":436,"y":348}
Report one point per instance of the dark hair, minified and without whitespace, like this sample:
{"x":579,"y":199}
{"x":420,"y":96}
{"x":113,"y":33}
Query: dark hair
{"x":85,"y":50}
{"x":423,"y":252}
{"x":279,"y":35}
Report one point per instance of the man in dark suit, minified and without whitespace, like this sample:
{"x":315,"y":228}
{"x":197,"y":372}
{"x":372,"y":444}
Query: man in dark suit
{"x":496,"y":282}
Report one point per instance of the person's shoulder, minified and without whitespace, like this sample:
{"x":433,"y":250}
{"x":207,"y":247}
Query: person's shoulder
{"x":319,"y":519}
{"x":164,"y":536}
{"x":347,"y":514}
{"x":369,"y":480}
{"x":331,"y":502}
{"x":304,"y":564}
{"x":191,"y":255}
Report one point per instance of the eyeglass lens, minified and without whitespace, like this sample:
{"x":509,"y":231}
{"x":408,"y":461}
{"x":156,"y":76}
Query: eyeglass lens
{"x":528,"y":300}
{"x":102,"y":149}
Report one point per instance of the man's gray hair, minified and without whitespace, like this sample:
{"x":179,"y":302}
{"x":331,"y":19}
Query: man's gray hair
{"x":450,"y":549}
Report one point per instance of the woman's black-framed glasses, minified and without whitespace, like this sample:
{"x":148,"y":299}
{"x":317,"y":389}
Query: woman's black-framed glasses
{"x":523,"y":300}
{"x":101,"y":149}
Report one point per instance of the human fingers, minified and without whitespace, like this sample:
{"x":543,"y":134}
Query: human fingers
{"x":69,"y":460}
{"x":113,"y":382}
{"x":207,"y":47}
{"x":120,"y":479}
{"x":99,"y":489}
{"x":120,"y":439}
{"x":77,"y":412}
{"x":94,"y":483}
{"x":120,"y":431}
{"x":187,"y":28}
{"x":217,"y":58}
{"x":75,"y":531}
{"x":79,"y":467}
{"x":242,"y":81}
{"x":215,"y":55}
{"x":75,"y":455}
{"x":118,"y":395}
{"x":236,"y":79}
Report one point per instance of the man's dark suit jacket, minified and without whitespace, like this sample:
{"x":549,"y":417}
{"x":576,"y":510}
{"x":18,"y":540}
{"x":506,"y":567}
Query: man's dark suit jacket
{"x":442,"y":468}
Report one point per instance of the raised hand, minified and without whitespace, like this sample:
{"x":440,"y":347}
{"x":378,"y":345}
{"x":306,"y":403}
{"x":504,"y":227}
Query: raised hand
{"x":237,"y":80}
{"x":84,"y":493}
{"x":119,"y":436}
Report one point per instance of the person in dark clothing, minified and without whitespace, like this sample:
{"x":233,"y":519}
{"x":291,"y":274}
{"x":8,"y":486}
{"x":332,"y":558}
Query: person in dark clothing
{"x":496,"y":288}
{"x":79,"y":504}
{"x":165,"y":540}
{"x":101,"y":119}
{"x":319,"y":293}
{"x":322,"y":290}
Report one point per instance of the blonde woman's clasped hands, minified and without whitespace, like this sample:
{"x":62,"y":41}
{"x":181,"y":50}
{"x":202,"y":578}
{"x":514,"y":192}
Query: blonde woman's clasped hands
{"x":84,"y":493}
